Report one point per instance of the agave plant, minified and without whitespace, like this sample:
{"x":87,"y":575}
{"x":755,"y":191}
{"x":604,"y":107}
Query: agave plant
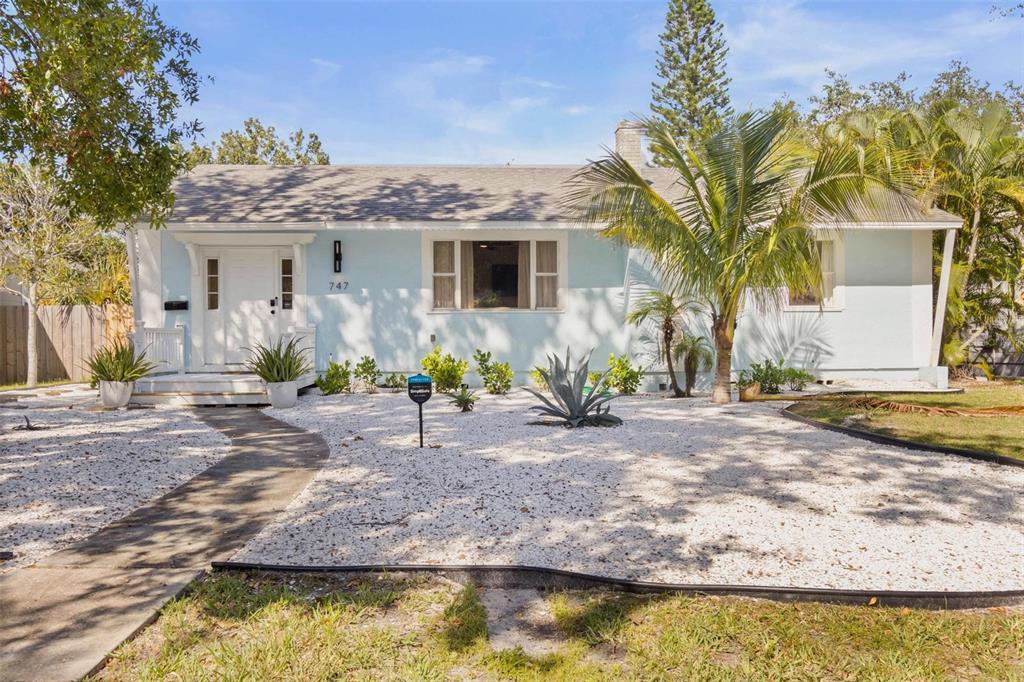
{"x":118,"y":362}
{"x":569,"y":403}
{"x":278,"y":363}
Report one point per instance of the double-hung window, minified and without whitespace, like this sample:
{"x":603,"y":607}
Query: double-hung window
{"x":496,"y":274}
{"x":808,"y":296}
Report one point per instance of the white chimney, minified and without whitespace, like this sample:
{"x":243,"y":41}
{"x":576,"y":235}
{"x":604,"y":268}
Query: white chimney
{"x":629,"y":142}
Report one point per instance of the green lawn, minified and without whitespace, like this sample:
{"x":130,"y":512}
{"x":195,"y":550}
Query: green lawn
{"x":999,"y":435}
{"x":303,"y":627}
{"x":41,"y":384}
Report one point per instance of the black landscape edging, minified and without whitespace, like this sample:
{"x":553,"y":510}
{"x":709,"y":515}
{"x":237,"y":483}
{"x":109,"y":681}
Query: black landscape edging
{"x":518,"y":577}
{"x":882,"y":439}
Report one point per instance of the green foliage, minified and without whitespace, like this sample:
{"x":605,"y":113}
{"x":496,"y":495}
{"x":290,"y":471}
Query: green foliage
{"x":279,"y":362}
{"x":445,"y":370}
{"x":740,"y":227}
{"x":537,"y":379}
{"x":744,"y":378}
{"x":622,"y":376}
{"x":368,"y":373}
{"x":797,"y":379}
{"x":691,"y":94}
{"x":91,"y":91}
{"x":337,"y":378}
{"x":769,"y":375}
{"x":118,"y":362}
{"x":667,"y":311}
{"x":593,"y":377}
{"x":394,"y":381}
{"x":569,"y":402}
{"x":96,"y":274}
{"x":696,"y":354}
{"x":257,"y":144}
{"x":496,"y":376}
{"x":464,"y":399}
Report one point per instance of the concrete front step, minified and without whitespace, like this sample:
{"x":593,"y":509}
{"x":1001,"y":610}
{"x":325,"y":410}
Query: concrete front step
{"x":206,"y":388}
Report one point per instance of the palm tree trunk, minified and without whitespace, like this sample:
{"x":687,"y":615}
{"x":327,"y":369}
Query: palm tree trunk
{"x":690,"y":370}
{"x":667,"y":339}
{"x":723,"y":361}
{"x":31,"y":358}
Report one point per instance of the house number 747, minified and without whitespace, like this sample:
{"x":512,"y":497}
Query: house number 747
{"x":339,"y":286}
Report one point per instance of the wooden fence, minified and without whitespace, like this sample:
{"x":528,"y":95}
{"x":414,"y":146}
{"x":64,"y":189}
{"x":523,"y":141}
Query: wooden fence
{"x":65,"y":338}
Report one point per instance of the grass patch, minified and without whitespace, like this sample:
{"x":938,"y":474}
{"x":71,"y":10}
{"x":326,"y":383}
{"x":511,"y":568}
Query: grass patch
{"x":998,"y":435}
{"x":324,"y":627}
{"x":41,"y":384}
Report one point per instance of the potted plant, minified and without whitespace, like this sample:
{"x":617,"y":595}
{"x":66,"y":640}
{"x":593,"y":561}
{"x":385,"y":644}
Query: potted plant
{"x":279,"y":366}
{"x":749,"y":389}
{"x":116,"y":368}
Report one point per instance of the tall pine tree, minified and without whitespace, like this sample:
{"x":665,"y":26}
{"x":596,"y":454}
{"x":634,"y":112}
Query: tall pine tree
{"x":691,"y":93}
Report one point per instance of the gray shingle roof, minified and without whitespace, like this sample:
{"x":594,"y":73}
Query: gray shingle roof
{"x":284,"y":194}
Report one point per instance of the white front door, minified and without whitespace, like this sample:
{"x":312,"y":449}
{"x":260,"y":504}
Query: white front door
{"x":249,"y":309}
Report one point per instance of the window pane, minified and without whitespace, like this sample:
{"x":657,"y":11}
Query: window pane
{"x":444,"y":291}
{"x":286,"y":266}
{"x":547,"y":257}
{"x":444,"y":257}
{"x":547,"y":291}
{"x":466,"y":264}
{"x":286,"y":285}
{"x":524,"y":275}
{"x":211,"y":267}
{"x":211,"y":301}
{"x":212,"y":285}
{"x":286,"y":301}
{"x":495,"y":274}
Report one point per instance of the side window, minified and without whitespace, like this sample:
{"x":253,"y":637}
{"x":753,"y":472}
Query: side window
{"x":444,"y":275}
{"x":286,"y":284}
{"x":212,"y":283}
{"x":547,"y":274}
{"x":826,"y":256}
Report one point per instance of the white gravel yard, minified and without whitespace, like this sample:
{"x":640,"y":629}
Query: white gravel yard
{"x":683,"y":492}
{"x":83,"y":470}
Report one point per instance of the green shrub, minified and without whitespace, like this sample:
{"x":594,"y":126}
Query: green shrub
{"x":118,"y":362}
{"x":623,"y":377}
{"x":744,"y":379}
{"x":496,"y":376}
{"x":593,"y":378}
{"x":445,"y":370}
{"x":537,"y":379}
{"x":464,"y":399}
{"x":769,"y":375}
{"x":368,"y":373}
{"x":797,"y":379}
{"x":279,"y":362}
{"x":337,"y":378}
{"x":394,"y":380}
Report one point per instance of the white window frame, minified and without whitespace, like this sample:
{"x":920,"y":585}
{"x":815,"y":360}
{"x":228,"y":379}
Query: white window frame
{"x":561,"y":237}
{"x":838,"y":300}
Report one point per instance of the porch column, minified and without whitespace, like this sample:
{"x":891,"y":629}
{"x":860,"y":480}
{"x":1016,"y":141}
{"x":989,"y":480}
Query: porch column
{"x":940,"y":301}
{"x":133,"y":282}
{"x":299,"y":283}
{"x":197,"y":307}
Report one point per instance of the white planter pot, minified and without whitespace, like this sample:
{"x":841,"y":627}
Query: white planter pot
{"x":116,"y":393}
{"x":283,"y":394}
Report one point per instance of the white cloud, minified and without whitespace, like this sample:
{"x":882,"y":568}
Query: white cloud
{"x":788,"y":45}
{"x":427,"y":86}
{"x":537,"y":83}
{"x":576,"y":110}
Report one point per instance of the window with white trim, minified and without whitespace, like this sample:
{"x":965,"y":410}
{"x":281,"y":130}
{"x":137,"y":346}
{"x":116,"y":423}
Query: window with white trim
{"x":808,"y":297}
{"x":212,"y":283}
{"x":287,"y":279}
{"x":495,"y":274}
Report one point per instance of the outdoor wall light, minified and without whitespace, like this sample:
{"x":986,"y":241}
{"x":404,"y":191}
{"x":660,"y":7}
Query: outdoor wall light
{"x":337,"y":256}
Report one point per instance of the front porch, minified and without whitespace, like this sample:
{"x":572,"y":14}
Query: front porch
{"x":206,"y":388}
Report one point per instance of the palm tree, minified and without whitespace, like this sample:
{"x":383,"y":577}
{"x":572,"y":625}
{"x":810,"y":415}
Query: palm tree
{"x":737,"y":222}
{"x":695,"y":353}
{"x":667,"y":311}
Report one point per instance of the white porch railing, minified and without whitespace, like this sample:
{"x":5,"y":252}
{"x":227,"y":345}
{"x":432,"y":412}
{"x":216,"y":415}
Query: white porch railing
{"x":164,"y":346}
{"x":307,"y":341}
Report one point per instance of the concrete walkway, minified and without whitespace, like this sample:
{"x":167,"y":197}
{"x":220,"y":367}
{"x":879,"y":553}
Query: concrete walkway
{"x":60,"y":618}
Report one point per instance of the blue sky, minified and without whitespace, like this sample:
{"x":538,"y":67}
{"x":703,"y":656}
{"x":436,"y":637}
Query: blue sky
{"x":542,"y":82}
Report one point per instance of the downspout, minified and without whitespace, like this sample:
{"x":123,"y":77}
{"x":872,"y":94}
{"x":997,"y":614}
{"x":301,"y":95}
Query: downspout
{"x":940,"y":301}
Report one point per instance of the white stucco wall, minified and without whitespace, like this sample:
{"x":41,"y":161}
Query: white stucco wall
{"x":882,"y":329}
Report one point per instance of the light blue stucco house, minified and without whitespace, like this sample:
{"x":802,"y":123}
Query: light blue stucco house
{"x":389,"y":261}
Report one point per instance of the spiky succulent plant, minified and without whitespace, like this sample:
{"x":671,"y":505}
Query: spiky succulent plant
{"x":568,"y":401}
